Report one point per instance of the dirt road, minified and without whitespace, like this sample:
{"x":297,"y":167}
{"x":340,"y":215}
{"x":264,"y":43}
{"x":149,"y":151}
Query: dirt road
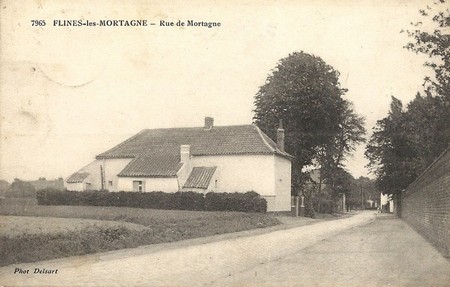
{"x":344,"y":252}
{"x":381,"y":253}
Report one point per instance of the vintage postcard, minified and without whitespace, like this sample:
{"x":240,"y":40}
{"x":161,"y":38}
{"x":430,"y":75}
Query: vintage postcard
{"x":215,"y":143}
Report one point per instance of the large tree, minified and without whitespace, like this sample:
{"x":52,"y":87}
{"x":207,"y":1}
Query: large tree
{"x":408,"y":140}
{"x":304,"y":92}
{"x":390,"y":156}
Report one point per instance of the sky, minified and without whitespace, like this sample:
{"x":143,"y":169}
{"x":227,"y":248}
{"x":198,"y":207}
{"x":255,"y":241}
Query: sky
{"x":70,"y":93}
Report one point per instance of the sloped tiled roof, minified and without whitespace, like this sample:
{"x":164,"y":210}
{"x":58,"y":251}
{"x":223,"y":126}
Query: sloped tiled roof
{"x":152,"y":166}
{"x":225,"y":140}
{"x":200,"y":177}
{"x":77,"y":177}
{"x":156,"y":152}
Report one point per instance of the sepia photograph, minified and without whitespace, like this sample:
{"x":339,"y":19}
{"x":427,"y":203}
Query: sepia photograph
{"x":225,"y":143}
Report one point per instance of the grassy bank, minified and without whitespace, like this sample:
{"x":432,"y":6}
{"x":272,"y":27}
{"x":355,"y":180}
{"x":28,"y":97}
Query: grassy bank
{"x":29,"y":239}
{"x":61,"y":238}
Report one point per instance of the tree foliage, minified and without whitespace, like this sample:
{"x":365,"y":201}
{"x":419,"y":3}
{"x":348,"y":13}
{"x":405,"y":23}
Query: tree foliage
{"x":304,"y":92}
{"x":388,"y":153}
{"x":357,"y":191}
{"x":21,"y":188}
{"x":363,"y":189}
{"x":340,"y":183}
{"x":405,"y":142}
{"x":332,"y":154}
{"x":435,"y":43}
{"x":368,"y":188}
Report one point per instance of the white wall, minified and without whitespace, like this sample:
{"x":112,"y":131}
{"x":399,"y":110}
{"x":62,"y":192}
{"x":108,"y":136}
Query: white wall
{"x":268,"y":175}
{"x":241,"y":173}
{"x":282,"y":184}
{"x":271,"y":202}
{"x":112,"y":167}
{"x":183,"y":173}
{"x":78,"y":186}
{"x":169,"y":184}
{"x":384,"y":199}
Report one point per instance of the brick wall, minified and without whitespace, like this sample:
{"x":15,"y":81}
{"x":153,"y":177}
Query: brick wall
{"x":426,"y":204}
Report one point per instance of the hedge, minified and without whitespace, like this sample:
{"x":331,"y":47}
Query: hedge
{"x":243,"y":202}
{"x":324,"y":205}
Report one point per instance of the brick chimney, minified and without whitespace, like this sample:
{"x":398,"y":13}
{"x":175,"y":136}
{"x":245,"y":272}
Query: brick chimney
{"x":280,"y":136}
{"x":209,"y":123}
{"x":185,"y":153}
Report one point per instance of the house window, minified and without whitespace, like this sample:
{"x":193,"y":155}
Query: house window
{"x":138,"y":185}
{"x":88,"y":185}
{"x":110,"y":183}
{"x":215,"y":183}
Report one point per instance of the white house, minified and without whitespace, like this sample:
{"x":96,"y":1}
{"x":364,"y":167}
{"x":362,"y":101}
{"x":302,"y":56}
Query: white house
{"x":222,"y":159}
{"x":386,"y":201}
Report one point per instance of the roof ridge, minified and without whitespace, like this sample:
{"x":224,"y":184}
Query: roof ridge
{"x":263,"y":139}
{"x":222,"y":140}
{"x":122,"y":143}
{"x":197,"y":127}
{"x":274,"y":150}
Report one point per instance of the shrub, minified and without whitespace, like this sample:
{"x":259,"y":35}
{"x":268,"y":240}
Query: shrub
{"x":193,"y":200}
{"x":51,"y":196}
{"x":244,"y":202}
{"x":309,"y":208}
{"x":323,"y":205}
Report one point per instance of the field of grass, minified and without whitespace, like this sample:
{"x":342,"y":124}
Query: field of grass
{"x":20,"y":225}
{"x":31,"y":233}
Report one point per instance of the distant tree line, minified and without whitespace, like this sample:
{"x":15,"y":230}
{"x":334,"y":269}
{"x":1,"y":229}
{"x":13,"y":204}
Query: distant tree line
{"x":22,"y":188}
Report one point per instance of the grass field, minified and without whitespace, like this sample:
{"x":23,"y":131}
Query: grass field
{"x":31,"y":233}
{"x":20,"y":225}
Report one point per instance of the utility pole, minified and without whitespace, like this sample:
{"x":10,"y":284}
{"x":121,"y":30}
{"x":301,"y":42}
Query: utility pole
{"x":101,"y":176}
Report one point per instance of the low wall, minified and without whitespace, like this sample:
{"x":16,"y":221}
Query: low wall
{"x":426,"y":204}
